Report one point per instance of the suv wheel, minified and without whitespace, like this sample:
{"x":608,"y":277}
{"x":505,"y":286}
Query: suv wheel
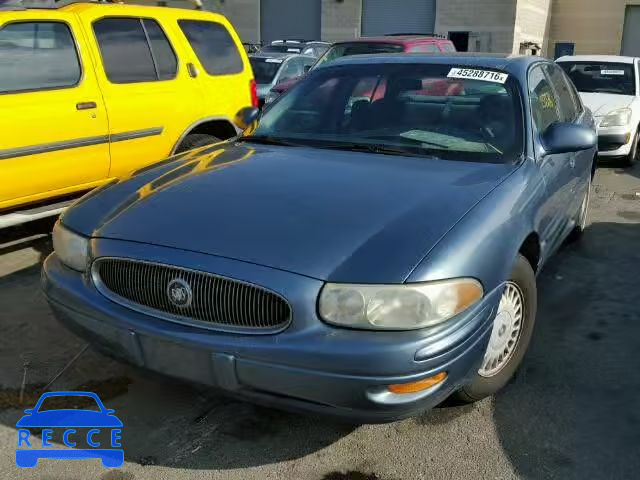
{"x":510,"y":336}
{"x":195,"y":140}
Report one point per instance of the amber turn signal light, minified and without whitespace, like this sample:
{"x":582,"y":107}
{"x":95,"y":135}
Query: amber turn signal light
{"x":418,"y":386}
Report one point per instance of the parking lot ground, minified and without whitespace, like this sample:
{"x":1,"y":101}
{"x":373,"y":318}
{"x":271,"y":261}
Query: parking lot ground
{"x":571,"y":412}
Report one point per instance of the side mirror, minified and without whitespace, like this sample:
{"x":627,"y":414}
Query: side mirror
{"x":567,"y":137}
{"x":246,"y":117}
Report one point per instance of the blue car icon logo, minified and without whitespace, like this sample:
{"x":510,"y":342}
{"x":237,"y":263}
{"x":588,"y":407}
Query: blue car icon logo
{"x":29,"y":452}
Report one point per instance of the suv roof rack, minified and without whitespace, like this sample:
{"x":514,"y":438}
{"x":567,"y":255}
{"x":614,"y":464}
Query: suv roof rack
{"x":42,"y":4}
{"x":288,"y":40}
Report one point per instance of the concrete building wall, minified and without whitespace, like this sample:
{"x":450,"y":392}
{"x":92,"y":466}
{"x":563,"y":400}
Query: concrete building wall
{"x":243,"y":14}
{"x":490,"y":22}
{"x":531,"y":23}
{"x":341,"y":21}
{"x":595,"y":26}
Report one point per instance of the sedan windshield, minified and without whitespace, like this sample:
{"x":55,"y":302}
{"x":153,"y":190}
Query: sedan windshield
{"x":602,"y":77}
{"x":265,"y":69}
{"x":401,"y":109}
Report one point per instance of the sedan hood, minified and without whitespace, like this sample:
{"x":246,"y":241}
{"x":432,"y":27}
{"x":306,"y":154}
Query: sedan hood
{"x":601,"y":104}
{"x":326,"y":214}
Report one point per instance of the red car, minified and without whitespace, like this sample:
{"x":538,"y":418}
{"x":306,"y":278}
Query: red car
{"x":372,"y":45}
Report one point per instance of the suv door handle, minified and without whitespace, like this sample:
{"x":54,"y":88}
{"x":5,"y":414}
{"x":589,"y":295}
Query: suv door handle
{"x":86,"y":105}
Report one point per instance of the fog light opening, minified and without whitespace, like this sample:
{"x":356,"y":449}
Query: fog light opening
{"x":420,"y":385}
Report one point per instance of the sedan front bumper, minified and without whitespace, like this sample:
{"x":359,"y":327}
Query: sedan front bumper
{"x":614,"y":141}
{"x":311,"y":366}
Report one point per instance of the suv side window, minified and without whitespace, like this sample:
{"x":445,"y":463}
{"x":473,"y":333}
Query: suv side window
{"x":569,"y":110}
{"x":425,"y":48}
{"x":37,"y":56}
{"x":213,"y":46}
{"x":128,"y":56}
{"x":544,"y":104}
{"x":447,"y":47}
{"x":292,"y":69}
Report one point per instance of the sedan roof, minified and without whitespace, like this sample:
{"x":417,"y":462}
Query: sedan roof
{"x":596,"y":58}
{"x":498,"y":61}
{"x":396,"y":39}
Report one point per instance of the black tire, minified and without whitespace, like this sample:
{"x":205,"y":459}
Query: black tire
{"x":524,"y":279}
{"x":195,"y":140}
{"x":630,"y":159}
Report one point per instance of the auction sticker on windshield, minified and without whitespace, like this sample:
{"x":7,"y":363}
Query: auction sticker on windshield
{"x":612,"y":72}
{"x":473,"y":74}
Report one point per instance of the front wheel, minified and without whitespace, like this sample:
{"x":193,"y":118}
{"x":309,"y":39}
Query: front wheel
{"x":510,"y":335}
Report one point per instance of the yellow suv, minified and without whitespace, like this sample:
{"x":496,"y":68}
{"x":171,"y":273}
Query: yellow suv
{"x":92,"y":91}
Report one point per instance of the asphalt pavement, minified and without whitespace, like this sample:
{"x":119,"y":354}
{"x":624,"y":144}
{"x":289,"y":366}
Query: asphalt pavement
{"x":571,"y":412}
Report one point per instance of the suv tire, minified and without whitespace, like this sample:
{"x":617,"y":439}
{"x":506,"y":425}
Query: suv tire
{"x":195,"y":140}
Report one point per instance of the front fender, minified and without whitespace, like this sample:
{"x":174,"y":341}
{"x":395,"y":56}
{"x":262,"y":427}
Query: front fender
{"x":485,"y":243}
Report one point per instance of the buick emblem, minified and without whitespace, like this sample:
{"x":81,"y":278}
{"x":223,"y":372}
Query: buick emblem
{"x":179,"y":293}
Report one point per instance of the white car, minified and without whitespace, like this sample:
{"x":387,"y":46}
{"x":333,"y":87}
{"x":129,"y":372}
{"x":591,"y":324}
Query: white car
{"x":609,"y":87}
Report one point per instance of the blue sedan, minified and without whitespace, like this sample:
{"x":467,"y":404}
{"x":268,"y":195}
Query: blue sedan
{"x":366,"y":249}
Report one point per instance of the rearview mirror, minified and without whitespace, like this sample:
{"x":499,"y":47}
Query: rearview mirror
{"x":568,"y":137}
{"x":246,"y":117}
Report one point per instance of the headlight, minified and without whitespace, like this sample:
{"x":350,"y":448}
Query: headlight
{"x":271,"y":96}
{"x":397,"y":307}
{"x":71,"y":248}
{"x":617,"y":118}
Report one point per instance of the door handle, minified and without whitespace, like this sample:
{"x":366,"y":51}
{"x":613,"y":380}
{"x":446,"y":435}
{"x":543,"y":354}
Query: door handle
{"x":193,"y":71}
{"x":86,"y":105}
{"x":572,"y":161}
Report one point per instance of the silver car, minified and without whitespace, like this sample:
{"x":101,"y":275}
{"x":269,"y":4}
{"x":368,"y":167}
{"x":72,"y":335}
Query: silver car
{"x":269,"y":69}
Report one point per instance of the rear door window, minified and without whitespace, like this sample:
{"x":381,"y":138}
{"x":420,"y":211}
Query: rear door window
{"x":37,"y":56}
{"x":292,"y":69}
{"x":448,"y":47}
{"x":425,"y":48}
{"x":213,"y":45}
{"x":134,"y":50}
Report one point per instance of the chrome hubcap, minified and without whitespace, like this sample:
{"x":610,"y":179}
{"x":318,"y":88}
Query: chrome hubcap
{"x":506,"y":331}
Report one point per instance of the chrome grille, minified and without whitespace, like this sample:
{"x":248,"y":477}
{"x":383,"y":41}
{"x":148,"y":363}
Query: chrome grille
{"x":214,"y":300}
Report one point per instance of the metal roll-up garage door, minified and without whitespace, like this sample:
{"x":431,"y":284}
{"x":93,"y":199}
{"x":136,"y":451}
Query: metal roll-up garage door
{"x":631,"y":35}
{"x":381,"y":17}
{"x":290,"y":19}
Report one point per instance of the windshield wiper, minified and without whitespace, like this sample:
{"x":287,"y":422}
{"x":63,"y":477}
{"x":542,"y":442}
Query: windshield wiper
{"x":265,"y":140}
{"x":374,"y":148}
{"x":413,"y":141}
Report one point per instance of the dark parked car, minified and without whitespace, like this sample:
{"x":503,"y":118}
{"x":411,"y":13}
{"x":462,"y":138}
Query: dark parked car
{"x":411,"y":43}
{"x":269,"y":69}
{"x":361,"y":258}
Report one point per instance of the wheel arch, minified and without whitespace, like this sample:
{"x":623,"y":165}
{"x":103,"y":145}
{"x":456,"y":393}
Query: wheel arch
{"x":220,"y":127}
{"x":530,"y":249}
